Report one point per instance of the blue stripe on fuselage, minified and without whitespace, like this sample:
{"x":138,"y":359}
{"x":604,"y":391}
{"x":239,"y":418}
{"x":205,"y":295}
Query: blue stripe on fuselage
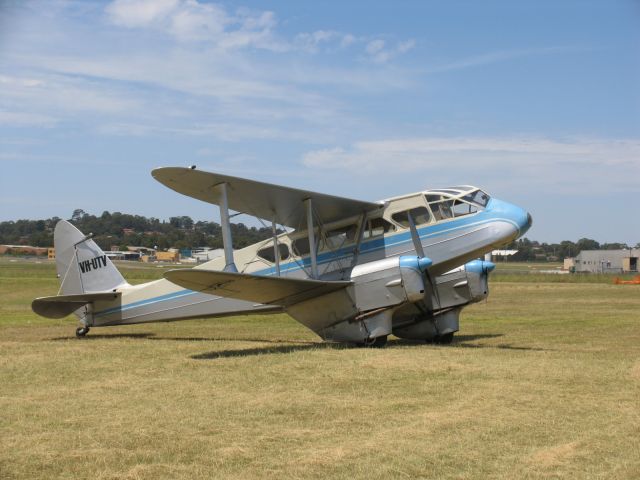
{"x":147,"y":301}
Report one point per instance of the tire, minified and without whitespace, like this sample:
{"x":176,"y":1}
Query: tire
{"x":445,"y":339}
{"x":377,"y":342}
{"x":81,"y":331}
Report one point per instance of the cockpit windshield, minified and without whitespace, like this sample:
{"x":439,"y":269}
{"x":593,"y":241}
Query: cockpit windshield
{"x":478,"y":197}
{"x":455,"y":202}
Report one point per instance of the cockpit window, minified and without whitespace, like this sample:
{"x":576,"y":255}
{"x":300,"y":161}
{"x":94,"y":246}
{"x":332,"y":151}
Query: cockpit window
{"x":441,"y":206}
{"x":461,"y":208}
{"x":478,"y":197}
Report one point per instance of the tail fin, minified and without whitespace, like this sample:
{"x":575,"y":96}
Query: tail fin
{"x":82,"y":266}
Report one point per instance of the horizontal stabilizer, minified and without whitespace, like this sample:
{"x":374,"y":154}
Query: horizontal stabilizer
{"x":252,"y":288}
{"x":62,"y":305}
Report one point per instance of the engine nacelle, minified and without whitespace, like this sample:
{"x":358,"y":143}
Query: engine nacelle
{"x":431,"y":326}
{"x":478,"y":278}
{"x":379,"y":289}
{"x":388,"y":282}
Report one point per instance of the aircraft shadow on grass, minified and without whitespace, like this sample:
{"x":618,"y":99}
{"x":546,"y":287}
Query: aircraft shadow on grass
{"x":284,"y":346}
{"x":459,"y":342}
{"x":107,"y":336}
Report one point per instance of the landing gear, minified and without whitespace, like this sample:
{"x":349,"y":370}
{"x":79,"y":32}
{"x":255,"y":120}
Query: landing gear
{"x":445,"y":339}
{"x":82,"y":331}
{"x":377,"y":342}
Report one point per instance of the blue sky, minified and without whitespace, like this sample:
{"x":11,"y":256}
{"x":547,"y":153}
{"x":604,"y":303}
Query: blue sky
{"x":536,"y":102}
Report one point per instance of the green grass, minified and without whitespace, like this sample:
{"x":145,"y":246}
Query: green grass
{"x":542,"y":381}
{"x":540,"y":273}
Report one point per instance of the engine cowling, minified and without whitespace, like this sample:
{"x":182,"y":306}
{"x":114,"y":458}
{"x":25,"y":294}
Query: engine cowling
{"x":478,"y":278}
{"x":389,"y":282}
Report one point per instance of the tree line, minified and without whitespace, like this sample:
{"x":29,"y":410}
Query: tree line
{"x":531,"y":250}
{"x":122,"y":230}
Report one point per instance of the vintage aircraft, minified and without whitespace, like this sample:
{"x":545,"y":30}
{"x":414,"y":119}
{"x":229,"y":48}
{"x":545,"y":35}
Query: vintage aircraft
{"x":351,"y":271}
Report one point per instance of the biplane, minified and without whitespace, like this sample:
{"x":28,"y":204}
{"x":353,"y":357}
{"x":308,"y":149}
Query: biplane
{"x":350,"y":270}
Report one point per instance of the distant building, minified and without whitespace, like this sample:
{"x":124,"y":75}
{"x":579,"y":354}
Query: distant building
{"x":142,"y":250}
{"x":607,"y":261}
{"x":168,"y":256}
{"x":502,"y":254}
{"x":206,"y":254}
{"x":126,"y":255}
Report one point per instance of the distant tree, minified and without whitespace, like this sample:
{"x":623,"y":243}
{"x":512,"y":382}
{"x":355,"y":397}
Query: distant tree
{"x":614,"y":246}
{"x":77,"y":215}
{"x":587,"y":244}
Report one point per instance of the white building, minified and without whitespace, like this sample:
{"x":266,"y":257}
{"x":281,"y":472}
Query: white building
{"x":607,"y":261}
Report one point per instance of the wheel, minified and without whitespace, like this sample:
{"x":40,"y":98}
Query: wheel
{"x":377,"y":342}
{"x":81,"y":331}
{"x":445,"y":339}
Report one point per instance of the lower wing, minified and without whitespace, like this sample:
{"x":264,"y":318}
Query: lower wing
{"x":253,"y":288}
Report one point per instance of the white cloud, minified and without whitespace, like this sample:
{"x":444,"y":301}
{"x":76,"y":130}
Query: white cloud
{"x":500,"y":56}
{"x":141,"y":13}
{"x":577,"y":164}
{"x":312,"y":41}
{"x":194,"y":21}
{"x":72,"y":71}
{"x":379,"y":52}
{"x":24,"y":119}
{"x":52,"y":95}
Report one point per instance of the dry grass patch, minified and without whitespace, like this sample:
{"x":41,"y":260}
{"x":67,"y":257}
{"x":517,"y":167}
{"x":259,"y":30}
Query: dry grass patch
{"x":541,"y":382}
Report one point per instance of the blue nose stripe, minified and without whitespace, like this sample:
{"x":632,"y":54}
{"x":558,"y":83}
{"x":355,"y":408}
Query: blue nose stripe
{"x":519,"y":216}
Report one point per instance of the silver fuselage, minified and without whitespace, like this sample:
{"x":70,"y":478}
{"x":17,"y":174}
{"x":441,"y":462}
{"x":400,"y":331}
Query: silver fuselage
{"x":448,"y":243}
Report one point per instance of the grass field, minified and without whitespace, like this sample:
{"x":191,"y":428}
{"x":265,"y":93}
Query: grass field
{"x":542,"y":381}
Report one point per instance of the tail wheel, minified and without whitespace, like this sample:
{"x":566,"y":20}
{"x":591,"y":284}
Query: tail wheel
{"x":81,"y":331}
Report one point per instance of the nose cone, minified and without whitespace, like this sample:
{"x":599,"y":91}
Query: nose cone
{"x":520,"y":218}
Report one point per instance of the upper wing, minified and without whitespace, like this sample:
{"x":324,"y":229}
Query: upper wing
{"x":253,"y":288}
{"x":264,"y":200}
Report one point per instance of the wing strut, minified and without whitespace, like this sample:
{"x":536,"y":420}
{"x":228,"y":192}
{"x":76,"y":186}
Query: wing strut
{"x":312,"y":238}
{"x":276,"y":249}
{"x":230,"y":265}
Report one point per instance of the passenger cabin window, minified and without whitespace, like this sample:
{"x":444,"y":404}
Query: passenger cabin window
{"x":301,"y":246}
{"x":420,"y":216}
{"x":376,"y":227}
{"x":441,"y":206}
{"x":267,"y":253}
{"x":339,"y":237}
